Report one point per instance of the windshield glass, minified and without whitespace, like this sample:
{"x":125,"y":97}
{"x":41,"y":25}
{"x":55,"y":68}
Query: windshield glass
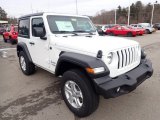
{"x":125,"y":27}
{"x":68,"y":24}
{"x":146,"y":24}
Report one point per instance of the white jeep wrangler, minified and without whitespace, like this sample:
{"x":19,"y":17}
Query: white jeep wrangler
{"x":90,"y":65}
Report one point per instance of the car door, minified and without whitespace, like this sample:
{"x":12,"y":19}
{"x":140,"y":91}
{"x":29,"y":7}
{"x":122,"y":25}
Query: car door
{"x":38,"y":47}
{"x":118,"y":30}
{"x":115,"y":30}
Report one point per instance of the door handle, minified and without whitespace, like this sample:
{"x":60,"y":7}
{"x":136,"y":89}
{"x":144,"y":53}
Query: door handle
{"x":32,"y":43}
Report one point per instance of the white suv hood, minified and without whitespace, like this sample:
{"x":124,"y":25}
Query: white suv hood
{"x":91,"y":45}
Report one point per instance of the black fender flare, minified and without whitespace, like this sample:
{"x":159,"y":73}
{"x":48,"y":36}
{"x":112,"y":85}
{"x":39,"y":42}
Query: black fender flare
{"x":82,"y":61}
{"x":21,"y":46}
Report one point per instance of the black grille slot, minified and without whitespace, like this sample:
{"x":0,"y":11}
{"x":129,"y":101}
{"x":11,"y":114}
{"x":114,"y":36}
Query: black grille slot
{"x":126,"y":57}
{"x":122,"y":58}
{"x":118,"y":60}
{"x":129,"y":56}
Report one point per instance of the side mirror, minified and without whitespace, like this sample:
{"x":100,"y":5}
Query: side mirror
{"x":39,"y":32}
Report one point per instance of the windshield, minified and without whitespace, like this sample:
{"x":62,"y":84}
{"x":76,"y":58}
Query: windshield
{"x":68,"y":24}
{"x":125,"y":27}
{"x":146,"y":24}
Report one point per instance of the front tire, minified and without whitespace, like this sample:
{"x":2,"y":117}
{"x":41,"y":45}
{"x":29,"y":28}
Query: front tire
{"x":27,"y":67}
{"x":11,"y":40}
{"x":148,"y":32}
{"x":129,"y":34}
{"x":111,"y":34}
{"x":5,"y":40}
{"x":78,"y":94}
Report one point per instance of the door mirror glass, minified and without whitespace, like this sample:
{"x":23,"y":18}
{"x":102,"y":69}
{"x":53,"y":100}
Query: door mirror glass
{"x":39,"y":32}
{"x":38,"y":29}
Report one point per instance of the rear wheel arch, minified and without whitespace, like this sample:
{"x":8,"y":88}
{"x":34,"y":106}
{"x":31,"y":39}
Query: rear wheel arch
{"x":23,"y":47}
{"x":26,"y":66}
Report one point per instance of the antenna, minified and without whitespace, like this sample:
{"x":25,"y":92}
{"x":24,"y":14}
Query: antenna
{"x":76,"y":8}
{"x":31,"y":8}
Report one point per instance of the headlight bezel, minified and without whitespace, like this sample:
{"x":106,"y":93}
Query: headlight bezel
{"x":109,"y":58}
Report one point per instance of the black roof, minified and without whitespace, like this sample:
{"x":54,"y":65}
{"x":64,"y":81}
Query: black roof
{"x":30,"y":15}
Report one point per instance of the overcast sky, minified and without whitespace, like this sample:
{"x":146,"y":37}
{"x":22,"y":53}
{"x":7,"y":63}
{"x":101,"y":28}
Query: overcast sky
{"x":85,"y":7}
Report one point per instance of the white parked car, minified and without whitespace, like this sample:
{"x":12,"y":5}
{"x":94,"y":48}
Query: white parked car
{"x":145,"y":26}
{"x":90,"y":65}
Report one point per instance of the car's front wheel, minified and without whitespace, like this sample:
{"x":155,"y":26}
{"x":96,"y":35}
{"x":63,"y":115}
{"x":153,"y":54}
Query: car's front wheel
{"x":4,"y":39}
{"x":78,"y":94}
{"x":27,"y":67}
{"x":129,"y":34}
{"x":148,"y":32}
{"x":111,"y":34}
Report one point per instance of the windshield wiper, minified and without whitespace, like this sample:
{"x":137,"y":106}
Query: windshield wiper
{"x":82,"y":31}
{"x":65,"y":32}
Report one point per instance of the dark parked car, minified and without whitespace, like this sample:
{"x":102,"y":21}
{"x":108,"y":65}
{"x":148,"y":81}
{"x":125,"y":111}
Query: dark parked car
{"x":157,"y":26}
{"x":2,"y":30}
{"x":99,"y":29}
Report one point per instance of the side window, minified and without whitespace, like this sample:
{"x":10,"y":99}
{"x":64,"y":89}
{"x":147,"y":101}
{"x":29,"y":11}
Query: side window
{"x":106,"y":27}
{"x":119,"y":28}
{"x":139,"y":26}
{"x":37,"y":25}
{"x":8,"y":29}
{"x":23,"y":30}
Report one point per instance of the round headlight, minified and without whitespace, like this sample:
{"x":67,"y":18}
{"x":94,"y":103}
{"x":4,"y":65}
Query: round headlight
{"x":109,"y":58}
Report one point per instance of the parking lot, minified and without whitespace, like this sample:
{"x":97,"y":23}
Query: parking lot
{"x":37,"y":97}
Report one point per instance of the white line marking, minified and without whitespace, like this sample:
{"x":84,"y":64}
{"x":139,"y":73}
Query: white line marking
{"x":7,"y":49}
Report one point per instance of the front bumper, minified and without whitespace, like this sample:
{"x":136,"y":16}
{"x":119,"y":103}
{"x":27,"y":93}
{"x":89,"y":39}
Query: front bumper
{"x":123,"y":84}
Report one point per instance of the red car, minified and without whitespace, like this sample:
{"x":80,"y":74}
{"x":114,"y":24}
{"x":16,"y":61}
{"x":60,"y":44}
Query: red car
{"x":119,"y":30}
{"x":11,"y":34}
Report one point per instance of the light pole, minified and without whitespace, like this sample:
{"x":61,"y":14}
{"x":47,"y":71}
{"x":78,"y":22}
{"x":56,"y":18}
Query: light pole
{"x":153,"y":13}
{"x":129,"y":12}
{"x":31,"y":8}
{"x":76,"y":8}
{"x":115,"y":16}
